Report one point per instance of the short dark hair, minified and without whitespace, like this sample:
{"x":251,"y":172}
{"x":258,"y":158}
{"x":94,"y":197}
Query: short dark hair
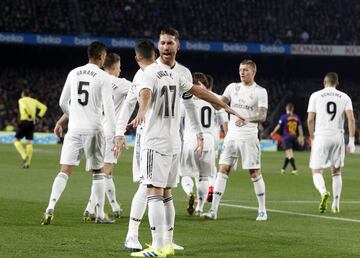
{"x":211,"y":81}
{"x":95,"y":49}
{"x":111,"y":58}
{"x":332,"y":78}
{"x":290,"y":106}
{"x":25,"y":92}
{"x":145,"y":48}
{"x":170,"y":31}
{"x":249,"y":62}
{"x":200,"y":77}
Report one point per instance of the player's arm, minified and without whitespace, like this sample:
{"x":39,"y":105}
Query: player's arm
{"x":58,"y":130}
{"x":301,"y":135}
{"x":259,"y":117}
{"x":311,"y":124}
{"x":351,"y":126}
{"x":277,"y":127}
{"x":124,"y":116}
{"x":64,"y":101}
{"x":144,"y":104}
{"x":108,"y":105}
{"x":212,"y":99}
{"x":42,"y":109}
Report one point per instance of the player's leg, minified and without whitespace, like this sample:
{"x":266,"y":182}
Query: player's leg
{"x":291,"y":158}
{"x":89,"y":213}
{"x":251,"y":160}
{"x":71,"y":153}
{"x":259,"y":188}
{"x":138,"y":207}
{"x":29,"y":153}
{"x":336,"y":188}
{"x":227,"y":162}
{"x":20,"y":133}
{"x":187,"y":184}
{"x":110,"y":190}
{"x":206,"y":168}
{"x":57,"y":189}
{"x":139,"y":202}
{"x":319,"y":158}
{"x":337,"y":161}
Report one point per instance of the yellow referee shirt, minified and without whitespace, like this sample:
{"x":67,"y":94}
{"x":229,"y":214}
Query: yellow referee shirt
{"x":28,"y":107}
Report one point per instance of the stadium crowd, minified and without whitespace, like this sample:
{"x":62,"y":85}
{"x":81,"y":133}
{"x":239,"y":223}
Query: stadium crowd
{"x":265,"y":21}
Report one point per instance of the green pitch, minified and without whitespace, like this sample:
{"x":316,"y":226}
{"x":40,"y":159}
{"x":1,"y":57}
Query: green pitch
{"x":294,"y":229}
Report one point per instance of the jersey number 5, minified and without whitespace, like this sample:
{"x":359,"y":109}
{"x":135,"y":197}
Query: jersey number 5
{"x":83,"y":93}
{"x":331,"y":109}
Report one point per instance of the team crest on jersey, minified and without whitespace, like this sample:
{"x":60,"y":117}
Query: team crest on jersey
{"x":133,"y":87}
{"x":237,"y":88}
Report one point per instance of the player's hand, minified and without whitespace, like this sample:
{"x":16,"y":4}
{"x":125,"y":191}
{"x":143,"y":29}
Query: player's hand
{"x":58,"y":131}
{"x":301,"y":141}
{"x":350,"y":148}
{"x":200,"y":144}
{"x":233,"y":112}
{"x":241,"y":122}
{"x":138,"y":120}
{"x":119,"y":145}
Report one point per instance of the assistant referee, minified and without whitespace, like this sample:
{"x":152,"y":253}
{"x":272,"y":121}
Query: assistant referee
{"x":30,"y":110}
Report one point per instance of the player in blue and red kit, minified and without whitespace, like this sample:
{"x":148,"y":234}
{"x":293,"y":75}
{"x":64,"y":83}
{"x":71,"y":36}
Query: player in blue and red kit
{"x":292,"y":134}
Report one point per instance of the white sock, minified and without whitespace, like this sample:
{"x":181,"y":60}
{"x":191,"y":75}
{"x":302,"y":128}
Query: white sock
{"x":219,"y":189}
{"x":91,"y":203}
{"x":111,"y":193}
{"x":187,"y":184}
{"x":99,"y":193}
{"x":138,"y":207}
{"x":319,"y":183}
{"x":156,"y":213}
{"x":259,"y":187}
{"x":57,"y":189}
{"x":336,"y":186}
{"x":202,"y":191}
{"x":170,"y":219}
{"x":212,"y":180}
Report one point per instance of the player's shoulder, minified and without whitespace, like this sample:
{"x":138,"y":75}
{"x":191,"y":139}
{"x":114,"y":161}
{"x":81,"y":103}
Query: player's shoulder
{"x":233,"y":85}
{"x":259,"y":88}
{"x":120,"y":82}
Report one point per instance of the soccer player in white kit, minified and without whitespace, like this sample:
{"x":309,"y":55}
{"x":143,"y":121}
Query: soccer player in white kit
{"x":160,"y":90}
{"x":251,"y":101}
{"x":120,"y":88}
{"x":86,"y":93}
{"x":200,"y":167}
{"x":326,"y":116}
{"x":168,"y":46}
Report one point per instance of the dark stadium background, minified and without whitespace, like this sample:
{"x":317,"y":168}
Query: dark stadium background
{"x":43,"y":69}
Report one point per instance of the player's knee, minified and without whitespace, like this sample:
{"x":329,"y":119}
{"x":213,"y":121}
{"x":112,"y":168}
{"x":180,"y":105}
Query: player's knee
{"x":254,"y":172}
{"x":225,"y":169}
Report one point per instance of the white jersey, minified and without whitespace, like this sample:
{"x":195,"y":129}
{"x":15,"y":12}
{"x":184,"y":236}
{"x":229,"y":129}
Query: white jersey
{"x":120,"y":88}
{"x":179,"y":68}
{"x":210,"y":119}
{"x":330,"y":105}
{"x":246,"y":100}
{"x":86,"y":92}
{"x":128,"y":107}
{"x":162,"y":120}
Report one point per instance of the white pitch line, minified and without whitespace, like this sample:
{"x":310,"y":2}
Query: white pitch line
{"x":292,"y":213}
{"x":343,"y":202}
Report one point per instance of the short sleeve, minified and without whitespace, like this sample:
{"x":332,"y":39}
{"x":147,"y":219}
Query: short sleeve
{"x":311,"y":106}
{"x":348,"y":104}
{"x":228,"y":91}
{"x":263,"y":99}
{"x":145,"y":80}
{"x":185,"y":84}
{"x":281,"y":120}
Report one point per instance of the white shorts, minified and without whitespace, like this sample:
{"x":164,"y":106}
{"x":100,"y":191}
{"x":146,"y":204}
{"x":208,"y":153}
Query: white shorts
{"x":109,"y":151}
{"x":158,"y":169}
{"x":248,"y":149}
{"x":136,"y":159}
{"x":75,"y":145}
{"x":193,"y":166}
{"x":327,"y":151}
